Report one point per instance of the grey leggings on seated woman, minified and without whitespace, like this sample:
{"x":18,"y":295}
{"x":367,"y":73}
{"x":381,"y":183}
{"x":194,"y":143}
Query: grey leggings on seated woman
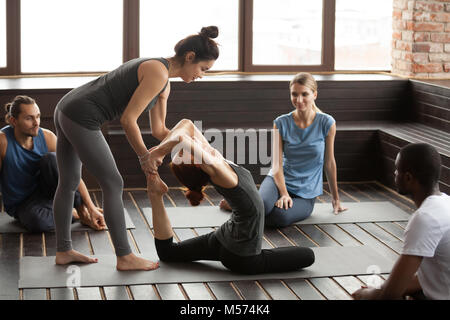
{"x":277,"y":217}
{"x":77,"y":145}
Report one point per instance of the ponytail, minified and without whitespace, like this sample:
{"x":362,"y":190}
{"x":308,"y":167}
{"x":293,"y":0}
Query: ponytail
{"x":13,"y":108}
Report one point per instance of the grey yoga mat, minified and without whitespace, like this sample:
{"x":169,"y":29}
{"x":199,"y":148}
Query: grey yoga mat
{"x":10,"y":225}
{"x":41,"y":272}
{"x":198,"y":217}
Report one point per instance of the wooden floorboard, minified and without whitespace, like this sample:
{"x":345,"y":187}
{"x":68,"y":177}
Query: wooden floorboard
{"x":330,"y":289}
{"x":385,"y":237}
{"x":62,"y":294}
{"x":304,"y":290}
{"x":9,"y":266}
{"x":144,"y":292}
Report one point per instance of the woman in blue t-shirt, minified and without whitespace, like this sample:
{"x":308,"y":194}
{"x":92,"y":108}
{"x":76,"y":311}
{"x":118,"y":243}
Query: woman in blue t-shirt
{"x":303,"y":145}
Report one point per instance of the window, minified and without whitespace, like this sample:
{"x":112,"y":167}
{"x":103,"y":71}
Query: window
{"x":71,"y":35}
{"x":87,"y":36}
{"x":287,"y":32}
{"x":164,"y":23}
{"x":363,"y":35}
{"x":2,"y":33}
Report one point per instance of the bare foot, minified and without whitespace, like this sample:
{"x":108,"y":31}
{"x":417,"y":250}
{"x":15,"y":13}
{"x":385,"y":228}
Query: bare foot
{"x":131,"y":262}
{"x":70,"y":256}
{"x":224,"y":205}
{"x":155,"y":185}
{"x":75,"y":214}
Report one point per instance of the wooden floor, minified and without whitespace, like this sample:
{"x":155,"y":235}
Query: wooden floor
{"x":386,"y":238}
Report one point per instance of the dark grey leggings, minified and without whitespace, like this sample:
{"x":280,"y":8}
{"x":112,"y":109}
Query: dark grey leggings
{"x":207,"y":247}
{"x":77,"y":145}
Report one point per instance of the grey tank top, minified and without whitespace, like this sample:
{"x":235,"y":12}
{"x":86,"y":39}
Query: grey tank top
{"x":105,"y":98}
{"x":242,"y":233}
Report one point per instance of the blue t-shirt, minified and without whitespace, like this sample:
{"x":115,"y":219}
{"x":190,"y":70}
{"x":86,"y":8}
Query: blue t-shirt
{"x":303,"y":154}
{"x":19,"y":176}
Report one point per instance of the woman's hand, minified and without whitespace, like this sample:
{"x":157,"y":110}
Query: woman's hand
{"x":285,"y":202}
{"x":337,"y":207}
{"x":151,"y":161}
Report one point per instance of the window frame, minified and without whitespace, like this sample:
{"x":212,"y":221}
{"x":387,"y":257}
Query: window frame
{"x":130,"y":42}
{"x":328,"y":33}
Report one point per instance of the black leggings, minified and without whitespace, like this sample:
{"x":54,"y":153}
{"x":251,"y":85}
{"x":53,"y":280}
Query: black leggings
{"x":207,"y":247}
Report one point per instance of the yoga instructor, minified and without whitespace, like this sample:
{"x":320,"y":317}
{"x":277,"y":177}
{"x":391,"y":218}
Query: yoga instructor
{"x":126,"y":92}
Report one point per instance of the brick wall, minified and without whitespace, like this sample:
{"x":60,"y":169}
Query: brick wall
{"x":421,"y":38}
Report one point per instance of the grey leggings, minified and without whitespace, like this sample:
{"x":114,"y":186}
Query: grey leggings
{"x":77,"y":145}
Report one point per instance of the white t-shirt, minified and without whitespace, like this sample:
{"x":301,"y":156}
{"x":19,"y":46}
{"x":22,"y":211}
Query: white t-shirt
{"x":428,"y":235}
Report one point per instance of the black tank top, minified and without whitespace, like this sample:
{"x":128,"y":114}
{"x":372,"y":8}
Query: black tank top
{"x":105,"y":98}
{"x":242,"y":233}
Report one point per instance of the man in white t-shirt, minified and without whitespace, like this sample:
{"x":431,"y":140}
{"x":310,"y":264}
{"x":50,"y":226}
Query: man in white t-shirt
{"x":424,"y":265}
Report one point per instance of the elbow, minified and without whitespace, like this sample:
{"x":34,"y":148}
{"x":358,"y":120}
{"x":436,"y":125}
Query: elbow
{"x":125,"y":122}
{"x":277,"y":169}
{"x":160,"y":134}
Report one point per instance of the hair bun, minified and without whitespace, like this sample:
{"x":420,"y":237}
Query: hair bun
{"x":210,"y":32}
{"x":194,"y":197}
{"x":8,"y":107}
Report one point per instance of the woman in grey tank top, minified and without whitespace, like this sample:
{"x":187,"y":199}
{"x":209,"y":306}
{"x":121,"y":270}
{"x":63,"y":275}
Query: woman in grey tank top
{"x":138,"y":85}
{"x":237,"y":243}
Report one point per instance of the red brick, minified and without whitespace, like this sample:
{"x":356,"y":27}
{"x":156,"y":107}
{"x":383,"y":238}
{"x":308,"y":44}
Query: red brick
{"x":397,"y":35}
{"x":403,"y":45}
{"x":404,"y":65}
{"x":420,"y":57}
{"x":421,"y":47}
{"x":428,"y":26}
{"x":440,"y":57}
{"x":397,"y":14}
{"x":436,"y":47}
{"x":440,"y":17}
{"x":421,"y":36}
{"x":399,"y":25}
{"x":447,"y":67}
{"x":428,"y":6}
{"x":429,"y":67}
{"x":440,"y":37}
{"x":408,"y":35}
{"x":421,"y":16}
{"x":407,"y":15}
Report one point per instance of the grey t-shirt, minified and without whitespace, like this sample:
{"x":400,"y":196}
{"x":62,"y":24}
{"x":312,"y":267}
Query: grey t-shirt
{"x":105,"y":98}
{"x":242,"y":233}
